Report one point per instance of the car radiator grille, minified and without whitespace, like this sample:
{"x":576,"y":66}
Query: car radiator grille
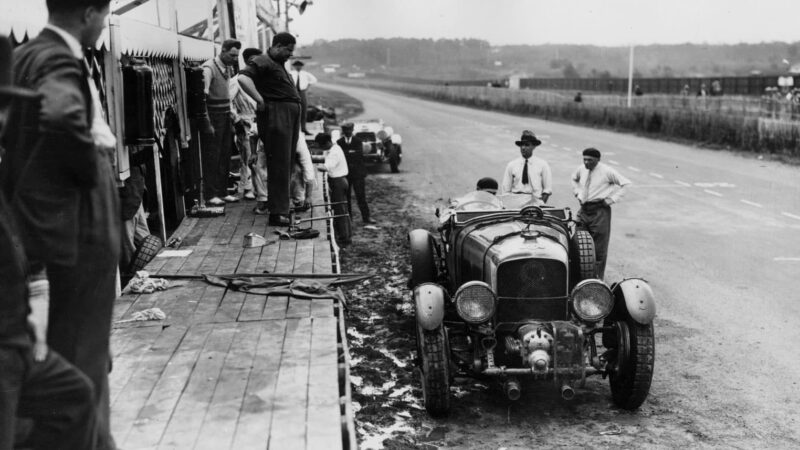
{"x":532,"y":289}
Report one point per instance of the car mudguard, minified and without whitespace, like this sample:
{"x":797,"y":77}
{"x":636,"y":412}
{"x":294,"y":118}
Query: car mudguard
{"x":429,"y":305}
{"x":638,"y":297}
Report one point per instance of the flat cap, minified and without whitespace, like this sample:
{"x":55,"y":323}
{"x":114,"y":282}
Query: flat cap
{"x":591,"y":151}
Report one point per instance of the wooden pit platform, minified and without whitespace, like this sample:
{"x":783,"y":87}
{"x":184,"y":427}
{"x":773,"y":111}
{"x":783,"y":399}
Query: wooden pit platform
{"x":226,"y":369}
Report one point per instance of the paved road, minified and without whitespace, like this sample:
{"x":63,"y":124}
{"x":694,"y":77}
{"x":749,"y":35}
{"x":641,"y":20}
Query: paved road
{"x":715,"y":233}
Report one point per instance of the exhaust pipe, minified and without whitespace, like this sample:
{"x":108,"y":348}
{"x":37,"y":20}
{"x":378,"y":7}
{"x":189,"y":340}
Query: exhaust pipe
{"x":567,"y":393}
{"x":512,"y":389}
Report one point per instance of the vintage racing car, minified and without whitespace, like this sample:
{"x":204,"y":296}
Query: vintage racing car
{"x":381,"y":144}
{"x":508,"y":291}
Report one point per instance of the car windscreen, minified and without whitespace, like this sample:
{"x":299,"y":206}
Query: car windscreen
{"x":366,"y":136}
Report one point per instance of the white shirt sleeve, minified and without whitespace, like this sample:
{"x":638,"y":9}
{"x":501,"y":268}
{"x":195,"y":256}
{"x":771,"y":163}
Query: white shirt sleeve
{"x":508,"y":177}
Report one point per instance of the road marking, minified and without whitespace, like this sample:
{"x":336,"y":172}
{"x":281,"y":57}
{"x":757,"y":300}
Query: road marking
{"x":653,"y":174}
{"x":569,"y":149}
{"x":613,"y":162}
{"x":791,"y":215}
{"x":710,"y":185}
{"x":683,"y":183}
{"x":747,"y":202}
{"x":709,"y":191}
{"x":786,"y":258}
{"x":634,"y":169}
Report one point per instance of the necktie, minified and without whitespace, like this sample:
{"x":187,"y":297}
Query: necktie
{"x":586,"y":186}
{"x":525,"y":179}
{"x":298,"y":81}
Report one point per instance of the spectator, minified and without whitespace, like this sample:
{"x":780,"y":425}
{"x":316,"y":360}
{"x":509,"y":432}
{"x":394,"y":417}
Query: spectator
{"x":528,"y":174}
{"x":702,"y":92}
{"x":578,"y":98}
{"x":216,"y":145}
{"x":34,"y":381}
{"x":266,"y":80}
{"x":638,"y":91}
{"x":685,"y":91}
{"x":302,"y":80}
{"x":716,"y":88}
{"x":597,"y":186}
{"x":353,"y":149}
{"x":57,"y":169}
{"x":303,"y":177}
{"x":243,"y":114}
{"x":336,"y":166}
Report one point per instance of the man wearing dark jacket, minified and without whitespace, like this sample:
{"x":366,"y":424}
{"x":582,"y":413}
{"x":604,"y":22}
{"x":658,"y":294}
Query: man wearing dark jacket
{"x":59,"y":178}
{"x":353,"y":148}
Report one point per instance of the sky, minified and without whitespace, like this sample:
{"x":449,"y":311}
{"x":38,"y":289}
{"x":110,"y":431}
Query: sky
{"x":533,"y":22}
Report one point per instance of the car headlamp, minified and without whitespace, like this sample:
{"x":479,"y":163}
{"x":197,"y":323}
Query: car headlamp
{"x":475,"y":302}
{"x":592,"y":300}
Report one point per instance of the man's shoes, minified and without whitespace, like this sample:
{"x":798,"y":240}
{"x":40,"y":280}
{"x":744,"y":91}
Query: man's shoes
{"x":369,"y":221}
{"x":279,"y":220}
{"x":261,"y":208}
{"x":216,"y":201}
{"x":230,"y":199}
{"x":248,"y":195}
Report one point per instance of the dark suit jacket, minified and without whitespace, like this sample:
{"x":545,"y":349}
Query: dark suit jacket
{"x":354,"y":153}
{"x":52,"y":171}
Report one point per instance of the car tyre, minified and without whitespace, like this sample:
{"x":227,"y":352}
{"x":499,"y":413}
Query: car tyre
{"x":423,"y":266}
{"x":632,"y":368}
{"x":583,"y":255}
{"x":145,"y":253}
{"x":434,"y":370}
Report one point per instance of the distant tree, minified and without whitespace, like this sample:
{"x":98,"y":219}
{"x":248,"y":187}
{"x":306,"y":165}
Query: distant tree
{"x":570,"y":71}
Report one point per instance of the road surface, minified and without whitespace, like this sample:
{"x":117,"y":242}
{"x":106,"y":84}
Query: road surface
{"x":716,"y":235}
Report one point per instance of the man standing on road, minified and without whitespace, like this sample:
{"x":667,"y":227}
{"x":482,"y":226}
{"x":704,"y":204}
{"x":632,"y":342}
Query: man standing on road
{"x":353,"y":149}
{"x":336,"y":166}
{"x":217,"y":145}
{"x":266,"y":80}
{"x":528,"y":174}
{"x":303,"y":80}
{"x":597,"y":186}
{"x":58,"y":176}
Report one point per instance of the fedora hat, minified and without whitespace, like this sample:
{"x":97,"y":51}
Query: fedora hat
{"x":528,"y":138}
{"x":298,"y":63}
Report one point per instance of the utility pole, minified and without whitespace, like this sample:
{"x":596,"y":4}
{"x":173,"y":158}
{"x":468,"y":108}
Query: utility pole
{"x":630,"y":77}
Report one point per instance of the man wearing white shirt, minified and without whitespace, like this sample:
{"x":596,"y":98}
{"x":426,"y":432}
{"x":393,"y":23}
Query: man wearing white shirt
{"x":597,"y":186}
{"x":302,"y":80}
{"x":336,"y":166}
{"x":528,"y":174}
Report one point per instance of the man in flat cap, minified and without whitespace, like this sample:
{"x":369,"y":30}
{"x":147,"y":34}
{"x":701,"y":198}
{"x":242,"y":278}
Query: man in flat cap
{"x":528,"y":174}
{"x":597,"y":186}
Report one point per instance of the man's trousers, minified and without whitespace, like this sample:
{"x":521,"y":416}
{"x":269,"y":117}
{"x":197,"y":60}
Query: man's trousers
{"x":279,"y":130}
{"x":357,"y":185}
{"x":56,"y":395}
{"x":596,"y":218}
{"x":339,"y":188}
{"x":216,"y":153}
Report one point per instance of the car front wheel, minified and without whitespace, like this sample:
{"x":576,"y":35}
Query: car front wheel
{"x":632,"y":366}
{"x":434,"y":370}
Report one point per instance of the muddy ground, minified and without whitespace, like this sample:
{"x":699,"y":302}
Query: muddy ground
{"x":686,"y":407}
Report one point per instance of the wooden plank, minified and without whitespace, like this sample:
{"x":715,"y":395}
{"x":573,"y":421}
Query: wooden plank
{"x":207,"y":304}
{"x":233,"y":213}
{"x":154,"y":416}
{"x":322,"y":256}
{"x":187,"y":418}
{"x":219,"y":425}
{"x":298,"y":307}
{"x":268,"y":257}
{"x":288,"y":428}
{"x":255,"y":417}
{"x":304,"y":257}
{"x":185,"y":303}
{"x":199,"y":249}
{"x":253,"y":307}
{"x":245,"y":224}
{"x":322,"y":307}
{"x":212,"y":260}
{"x":147,"y":371}
{"x":230,"y":306}
{"x":324,"y":428}
{"x":249,"y":261}
{"x":275,"y":307}
{"x":230,"y":259}
{"x":125,"y":362}
{"x":122,"y":304}
{"x":285,"y":262}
